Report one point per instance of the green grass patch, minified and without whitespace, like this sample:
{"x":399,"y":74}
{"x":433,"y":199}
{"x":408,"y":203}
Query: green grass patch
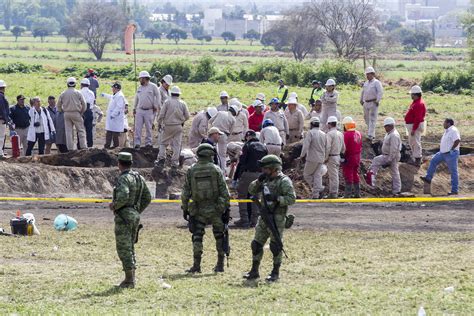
{"x":328,"y":272}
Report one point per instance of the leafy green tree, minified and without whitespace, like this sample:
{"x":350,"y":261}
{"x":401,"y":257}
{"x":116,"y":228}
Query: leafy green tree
{"x":415,"y":39}
{"x":17,"y":31}
{"x":176,"y":35}
{"x":252,"y":36}
{"x":42,"y":27}
{"x":204,"y":38}
{"x":7,"y":14}
{"x":392,"y":24}
{"x":228,"y":37}
{"x":152,"y":34}
{"x":197,"y":31}
{"x":68,"y":30}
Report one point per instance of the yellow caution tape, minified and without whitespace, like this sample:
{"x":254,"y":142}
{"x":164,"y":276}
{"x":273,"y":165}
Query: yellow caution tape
{"x":162,"y":201}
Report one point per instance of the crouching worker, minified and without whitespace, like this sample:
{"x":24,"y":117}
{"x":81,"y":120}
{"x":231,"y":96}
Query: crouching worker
{"x":130,"y":198}
{"x":205,"y":186}
{"x":276,"y":193}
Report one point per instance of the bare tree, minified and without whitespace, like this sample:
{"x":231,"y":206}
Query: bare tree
{"x":98,"y":23}
{"x":345,"y":23}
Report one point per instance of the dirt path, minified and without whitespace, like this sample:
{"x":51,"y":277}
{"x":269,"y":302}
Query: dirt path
{"x":447,"y":217}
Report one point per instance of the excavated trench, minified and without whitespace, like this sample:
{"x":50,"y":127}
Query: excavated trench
{"x":93,"y":172}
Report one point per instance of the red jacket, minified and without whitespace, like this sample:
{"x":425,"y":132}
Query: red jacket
{"x":416,"y":113}
{"x":255,"y":121}
{"x":250,"y":109}
{"x":353,"y":142}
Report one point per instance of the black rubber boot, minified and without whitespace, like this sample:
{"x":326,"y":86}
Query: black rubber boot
{"x":219,"y":265}
{"x":348,"y":190}
{"x":275,"y":274}
{"x":196,"y":268}
{"x":356,"y":190}
{"x":129,"y":281}
{"x":253,"y":273}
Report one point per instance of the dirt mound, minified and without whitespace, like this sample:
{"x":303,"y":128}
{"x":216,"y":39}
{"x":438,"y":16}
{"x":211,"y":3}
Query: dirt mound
{"x":410,"y":175}
{"x":93,"y":158}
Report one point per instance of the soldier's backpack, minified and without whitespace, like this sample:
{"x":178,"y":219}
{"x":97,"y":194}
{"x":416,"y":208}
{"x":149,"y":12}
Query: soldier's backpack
{"x":204,"y":183}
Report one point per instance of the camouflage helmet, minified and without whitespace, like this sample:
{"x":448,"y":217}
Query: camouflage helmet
{"x":205,"y":150}
{"x":270,"y":161}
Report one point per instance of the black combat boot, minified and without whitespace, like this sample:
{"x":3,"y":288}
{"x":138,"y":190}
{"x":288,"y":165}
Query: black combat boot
{"x":253,"y":273}
{"x":219,"y":265}
{"x":356,"y":190}
{"x":196,"y":268}
{"x":129,"y":281}
{"x":348,"y":190}
{"x":275,"y":274}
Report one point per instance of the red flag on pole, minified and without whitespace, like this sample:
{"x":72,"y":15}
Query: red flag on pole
{"x":129,"y":31}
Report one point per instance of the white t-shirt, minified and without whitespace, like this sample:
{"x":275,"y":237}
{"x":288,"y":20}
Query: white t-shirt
{"x":449,"y":137}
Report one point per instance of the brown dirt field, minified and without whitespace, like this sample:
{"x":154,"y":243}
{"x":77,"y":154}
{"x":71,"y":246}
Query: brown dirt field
{"x":416,"y":217}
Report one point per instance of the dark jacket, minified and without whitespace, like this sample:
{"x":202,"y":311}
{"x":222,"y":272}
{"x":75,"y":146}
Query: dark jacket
{"x":4,"y":109}
{"x":252,"y":152}
{"x":20,"y":116}
{"x":216,"y":156}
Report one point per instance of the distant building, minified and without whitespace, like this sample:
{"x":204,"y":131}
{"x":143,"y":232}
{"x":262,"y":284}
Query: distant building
{"x":238,"y":27}
{"x":209,"y":20}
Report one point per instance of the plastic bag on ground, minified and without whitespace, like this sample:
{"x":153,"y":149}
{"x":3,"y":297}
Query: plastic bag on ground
{"x":63,"y":222}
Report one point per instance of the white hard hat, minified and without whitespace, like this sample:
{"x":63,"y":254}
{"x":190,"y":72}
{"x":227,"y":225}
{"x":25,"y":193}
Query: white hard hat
{"x":260,"y":96}
{"x":235,"y":108}
{"x":144,"y":74}
{"x":292,"y":101}
{"x":175,"y":90}
{"x":236,"y":102}
{"x":369,"y":70}
{"x":332,"y":119}
{"x":71,"y":80}
{"x":330,"y":82}
{"x":212,"y":111}
{"x":2,"y":84}
{"x":293,"y":95}
{"x":168,"y":79}
{"x":347,"y":120}
{"x":388,"y":121}
{"x":224,"y":94}
{"x":258,"y":104}
{"x":86,"y":81}
{"x":314,"y":120}
{"x":415,"y":89}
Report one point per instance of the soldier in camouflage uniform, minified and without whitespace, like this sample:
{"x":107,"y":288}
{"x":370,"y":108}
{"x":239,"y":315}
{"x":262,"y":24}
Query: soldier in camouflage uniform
{"x":130,"y":198}
{"x":275,"y":190}
{"x":206,"y":187}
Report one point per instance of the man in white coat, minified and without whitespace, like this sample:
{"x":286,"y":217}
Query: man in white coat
{"x":114,"y":123}
{"x":41,"y":127}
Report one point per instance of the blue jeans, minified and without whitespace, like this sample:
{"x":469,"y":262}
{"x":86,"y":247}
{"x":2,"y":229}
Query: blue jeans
{"x":451,"y":158}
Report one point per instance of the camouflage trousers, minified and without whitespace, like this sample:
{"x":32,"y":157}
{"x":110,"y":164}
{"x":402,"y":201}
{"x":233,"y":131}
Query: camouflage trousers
{"x":198,"y":224}
{"x":125,"y":234}
{"x":262,"y":233}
